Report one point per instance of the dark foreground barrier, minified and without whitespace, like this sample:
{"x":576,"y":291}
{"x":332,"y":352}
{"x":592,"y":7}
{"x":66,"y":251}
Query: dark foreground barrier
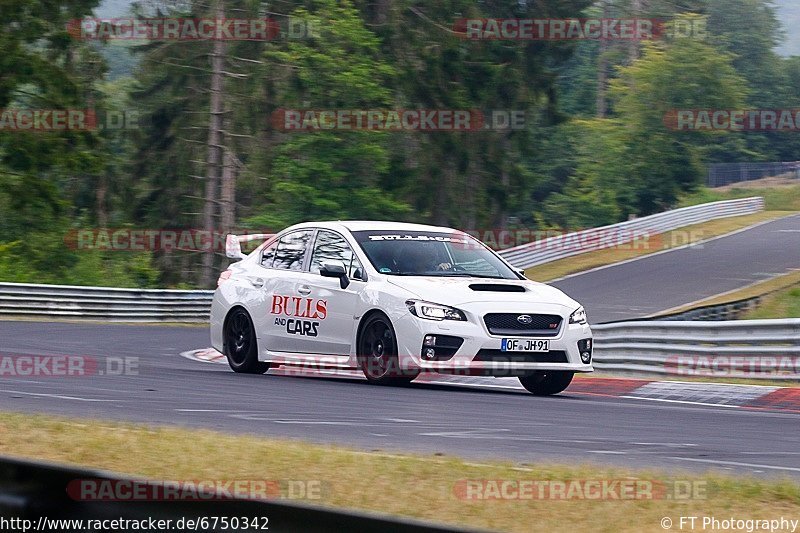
{"x":39,"y":497}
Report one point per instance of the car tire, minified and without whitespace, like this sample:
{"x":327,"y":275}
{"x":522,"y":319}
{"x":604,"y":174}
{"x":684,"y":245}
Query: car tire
{"x":546,"y":382}
{"x":240,"y":344}
{"x":377,"y":353}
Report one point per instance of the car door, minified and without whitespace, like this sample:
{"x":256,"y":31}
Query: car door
{"x":281,"y":267}
{"x":337,"y":306}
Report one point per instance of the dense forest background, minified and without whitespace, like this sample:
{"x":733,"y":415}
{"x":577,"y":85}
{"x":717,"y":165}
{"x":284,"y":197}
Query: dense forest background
{"x":204,"y":153}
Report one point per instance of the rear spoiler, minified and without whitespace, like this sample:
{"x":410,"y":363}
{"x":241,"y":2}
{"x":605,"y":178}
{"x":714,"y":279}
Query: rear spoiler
{"x":233,"y":248}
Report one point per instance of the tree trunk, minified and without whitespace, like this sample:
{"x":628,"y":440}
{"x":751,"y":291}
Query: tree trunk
{"x":100,"y":198}
{"x":215,"y":149}
{"x":101,"y":192}
{"x":602,"y":72}
{"x":228,"y":201}
{"x":636,"y":12}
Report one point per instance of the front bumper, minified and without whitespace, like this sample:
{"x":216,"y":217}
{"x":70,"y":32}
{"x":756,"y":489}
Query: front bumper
{"x":480,"y":352}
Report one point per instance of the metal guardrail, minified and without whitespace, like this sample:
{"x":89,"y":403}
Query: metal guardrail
{"x":726,"y":311}
{"x":722,"y":174}
{"x":647,"y":346}
{"x":36,"y":491}
{"x":757,"y":348}
{"x":105,"y":303}
{"x":571,"y":244}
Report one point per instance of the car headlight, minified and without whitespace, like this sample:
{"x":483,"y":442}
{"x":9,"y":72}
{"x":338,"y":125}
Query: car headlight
{"x":433,"y":311}
{"x":578,"y":317}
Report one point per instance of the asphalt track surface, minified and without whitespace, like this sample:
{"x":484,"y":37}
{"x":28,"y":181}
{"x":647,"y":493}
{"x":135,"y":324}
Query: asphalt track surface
{"x":473,"y":423}
{"x":663,"y":281}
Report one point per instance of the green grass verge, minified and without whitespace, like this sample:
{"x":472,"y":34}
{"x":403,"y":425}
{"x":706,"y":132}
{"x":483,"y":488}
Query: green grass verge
{"x":777,"y":298}
{"x":408,"y":485}
{"x":780,"y":304}
{"x":783,"y":197}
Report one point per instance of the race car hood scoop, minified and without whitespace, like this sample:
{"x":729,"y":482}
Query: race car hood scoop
{"x":457,"y":290}
{"x":496,"y":287}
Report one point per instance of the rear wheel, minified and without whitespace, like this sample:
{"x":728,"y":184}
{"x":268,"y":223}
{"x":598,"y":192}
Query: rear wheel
{"x":241,"y":346}
{"x":546,"y":382}
{"x":377,"y":353}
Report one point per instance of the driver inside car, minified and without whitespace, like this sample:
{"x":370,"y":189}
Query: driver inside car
{"x":420,"y":260}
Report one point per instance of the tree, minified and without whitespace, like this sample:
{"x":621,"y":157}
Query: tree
{"x":683,"y":75}
{"x":599,"y":191}
{"x":49,"y":179}
{"x":478,"y":178}
{"x":195,"y":99}
{"x":328,"y":174}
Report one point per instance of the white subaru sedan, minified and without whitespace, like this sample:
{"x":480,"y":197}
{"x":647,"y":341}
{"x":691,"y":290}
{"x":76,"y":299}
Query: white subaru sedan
{"x":394,"y":300}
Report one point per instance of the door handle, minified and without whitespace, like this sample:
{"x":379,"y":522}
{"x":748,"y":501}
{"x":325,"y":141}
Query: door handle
{"x":257,"y":283}
{"x":304,"y":290}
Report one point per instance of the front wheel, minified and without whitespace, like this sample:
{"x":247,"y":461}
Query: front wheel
{"x":377,"y":353}
{"x":546,"y":382}
{"x":241,"y":346}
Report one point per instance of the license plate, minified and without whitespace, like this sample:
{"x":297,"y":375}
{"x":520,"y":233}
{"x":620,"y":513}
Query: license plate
{"x":524,"y":345}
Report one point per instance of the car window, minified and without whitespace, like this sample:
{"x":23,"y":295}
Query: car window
{"x":331,"y":246}
{"x":291,"y":251}
{"x":422,"y":253}
{"x":268,"y":255}
{"x":477,"y":264}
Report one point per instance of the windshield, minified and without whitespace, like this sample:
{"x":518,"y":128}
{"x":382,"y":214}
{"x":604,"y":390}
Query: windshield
{"x":420,"y":253}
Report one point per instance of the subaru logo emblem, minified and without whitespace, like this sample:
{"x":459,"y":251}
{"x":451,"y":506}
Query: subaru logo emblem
{"x":524,"y":319}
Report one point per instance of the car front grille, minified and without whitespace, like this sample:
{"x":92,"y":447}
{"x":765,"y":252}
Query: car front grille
{"x":509,"y":324}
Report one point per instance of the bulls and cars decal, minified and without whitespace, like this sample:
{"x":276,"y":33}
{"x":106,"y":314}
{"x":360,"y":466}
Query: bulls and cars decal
{"x":300,"y":316}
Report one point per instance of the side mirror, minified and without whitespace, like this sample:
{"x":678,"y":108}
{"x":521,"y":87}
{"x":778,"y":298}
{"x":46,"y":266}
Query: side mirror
{"x":335,"y":270}
{"x":521,"y":272}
